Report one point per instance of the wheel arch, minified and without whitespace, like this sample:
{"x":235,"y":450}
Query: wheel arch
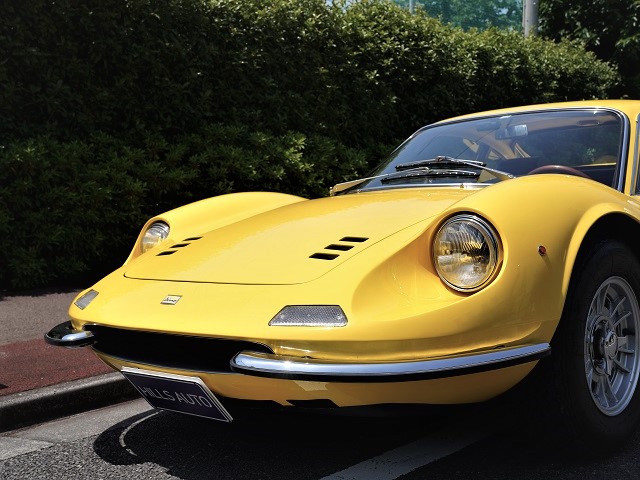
{"x":585,"y":409}
{"x":617,"y":226}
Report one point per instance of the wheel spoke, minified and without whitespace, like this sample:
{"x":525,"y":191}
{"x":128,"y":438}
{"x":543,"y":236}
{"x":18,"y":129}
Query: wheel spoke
{"x":621,"y":366}
{"x":590,"y":374}
{"x":611,"y":394}
{"x":600,"y":299}
{"x":621,"y":319}
{"x":623,"y":342}
{"x":599,"y":391}
{"x":608,"y":367}
{"x":618,"y":305}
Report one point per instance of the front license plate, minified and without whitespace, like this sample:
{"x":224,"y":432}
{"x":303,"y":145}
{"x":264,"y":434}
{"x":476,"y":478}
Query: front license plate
{"x":177,"y":393}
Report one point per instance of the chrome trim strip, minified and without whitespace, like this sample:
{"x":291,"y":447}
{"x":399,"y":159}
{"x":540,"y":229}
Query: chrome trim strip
{"x":621,"y":167}
{"x":64,"y":335}
{"x":296,"y":368}
{"x":635,"y":188}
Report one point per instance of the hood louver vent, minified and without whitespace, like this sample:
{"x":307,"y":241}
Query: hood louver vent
{"x":174,"y":248}
{"x":324,"y":256}
{"x":335,"y":246}
{"x":354,"y":239}
{"x":346,"y":244}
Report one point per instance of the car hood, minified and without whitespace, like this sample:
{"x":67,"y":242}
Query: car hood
{"x":293,"y":244}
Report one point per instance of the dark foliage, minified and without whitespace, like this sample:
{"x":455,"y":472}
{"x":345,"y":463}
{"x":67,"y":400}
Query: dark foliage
{"x":112,"y":111}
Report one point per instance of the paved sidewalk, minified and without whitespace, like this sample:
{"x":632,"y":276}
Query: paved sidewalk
{"x":39,"y":382}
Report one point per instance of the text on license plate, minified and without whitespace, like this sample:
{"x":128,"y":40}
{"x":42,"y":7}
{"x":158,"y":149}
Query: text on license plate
{"x":178,"y":393}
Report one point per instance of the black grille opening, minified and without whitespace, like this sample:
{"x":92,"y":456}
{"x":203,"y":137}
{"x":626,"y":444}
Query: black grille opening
{"x":179,"y":352}
{"x":179,"y":245}
{"x":168,"y":252}
{"x":191,"y":239}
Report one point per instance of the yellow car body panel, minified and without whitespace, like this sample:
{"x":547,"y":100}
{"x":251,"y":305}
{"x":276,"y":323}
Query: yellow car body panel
{"x":211,"y":213}
{"x":232,"y":263}
{"x":404,"y":300}
{"x":254,"y":251}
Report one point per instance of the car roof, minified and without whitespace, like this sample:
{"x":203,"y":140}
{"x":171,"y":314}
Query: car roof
{"x":630,"y":107}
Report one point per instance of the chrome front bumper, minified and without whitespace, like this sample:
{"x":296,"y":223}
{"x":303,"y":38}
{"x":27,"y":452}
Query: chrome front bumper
{"x":295,"y":368}
{"x":307,"y":369}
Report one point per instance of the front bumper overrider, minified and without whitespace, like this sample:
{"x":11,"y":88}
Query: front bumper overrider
{"x":306,"y":369}
{"x":64,"y":335}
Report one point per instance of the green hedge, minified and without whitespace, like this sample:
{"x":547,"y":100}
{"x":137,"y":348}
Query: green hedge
{"x":112,"y":111}
{"x":369,"y":72}
{"x":68,"y":209}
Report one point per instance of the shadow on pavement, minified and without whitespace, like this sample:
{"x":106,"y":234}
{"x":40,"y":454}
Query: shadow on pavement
{"x":278,"y":446}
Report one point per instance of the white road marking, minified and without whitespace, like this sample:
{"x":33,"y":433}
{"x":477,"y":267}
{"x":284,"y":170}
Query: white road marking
{"x":405,"y":459}
{"x":123,"y":444}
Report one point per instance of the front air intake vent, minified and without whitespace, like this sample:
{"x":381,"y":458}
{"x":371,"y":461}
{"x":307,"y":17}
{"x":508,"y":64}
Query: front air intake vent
{"x":180,"y":352}
{"x":168,"y":252}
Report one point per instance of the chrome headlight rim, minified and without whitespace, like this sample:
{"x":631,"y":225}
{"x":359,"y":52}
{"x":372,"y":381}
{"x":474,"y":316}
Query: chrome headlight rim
{"x":154,"y":235}
{"x":493,"y":243}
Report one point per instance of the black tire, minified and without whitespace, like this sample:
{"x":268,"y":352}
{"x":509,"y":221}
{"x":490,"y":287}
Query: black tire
{"x":595,"y":354}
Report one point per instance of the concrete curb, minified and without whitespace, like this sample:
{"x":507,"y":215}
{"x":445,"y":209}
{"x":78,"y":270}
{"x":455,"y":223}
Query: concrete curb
{"x":35,"y":406}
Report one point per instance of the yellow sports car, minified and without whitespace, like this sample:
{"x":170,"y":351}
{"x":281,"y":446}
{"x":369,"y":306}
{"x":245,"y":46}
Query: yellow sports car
{"x":482,"y":244}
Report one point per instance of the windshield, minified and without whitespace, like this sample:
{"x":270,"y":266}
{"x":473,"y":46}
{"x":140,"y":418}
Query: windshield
{"x":587,"y":143}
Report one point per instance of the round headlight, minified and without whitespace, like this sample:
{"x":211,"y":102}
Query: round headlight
{"x":155,"y":234}
{"x":466,"y":252}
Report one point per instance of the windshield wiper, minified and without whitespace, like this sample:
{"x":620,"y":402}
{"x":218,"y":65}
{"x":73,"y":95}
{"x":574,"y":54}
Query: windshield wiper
{"x":426,"y":168}
{"x":421,"y":172}
{"x":448,"y":162}
{"x":341,"y":187}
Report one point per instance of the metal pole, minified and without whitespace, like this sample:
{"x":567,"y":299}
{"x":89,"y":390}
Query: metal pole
{"x":530,"y":17}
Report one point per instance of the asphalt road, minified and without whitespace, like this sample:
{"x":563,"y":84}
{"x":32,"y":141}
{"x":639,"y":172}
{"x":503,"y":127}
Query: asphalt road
{"x":133,"y":442}
{"x":29,"y":315}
